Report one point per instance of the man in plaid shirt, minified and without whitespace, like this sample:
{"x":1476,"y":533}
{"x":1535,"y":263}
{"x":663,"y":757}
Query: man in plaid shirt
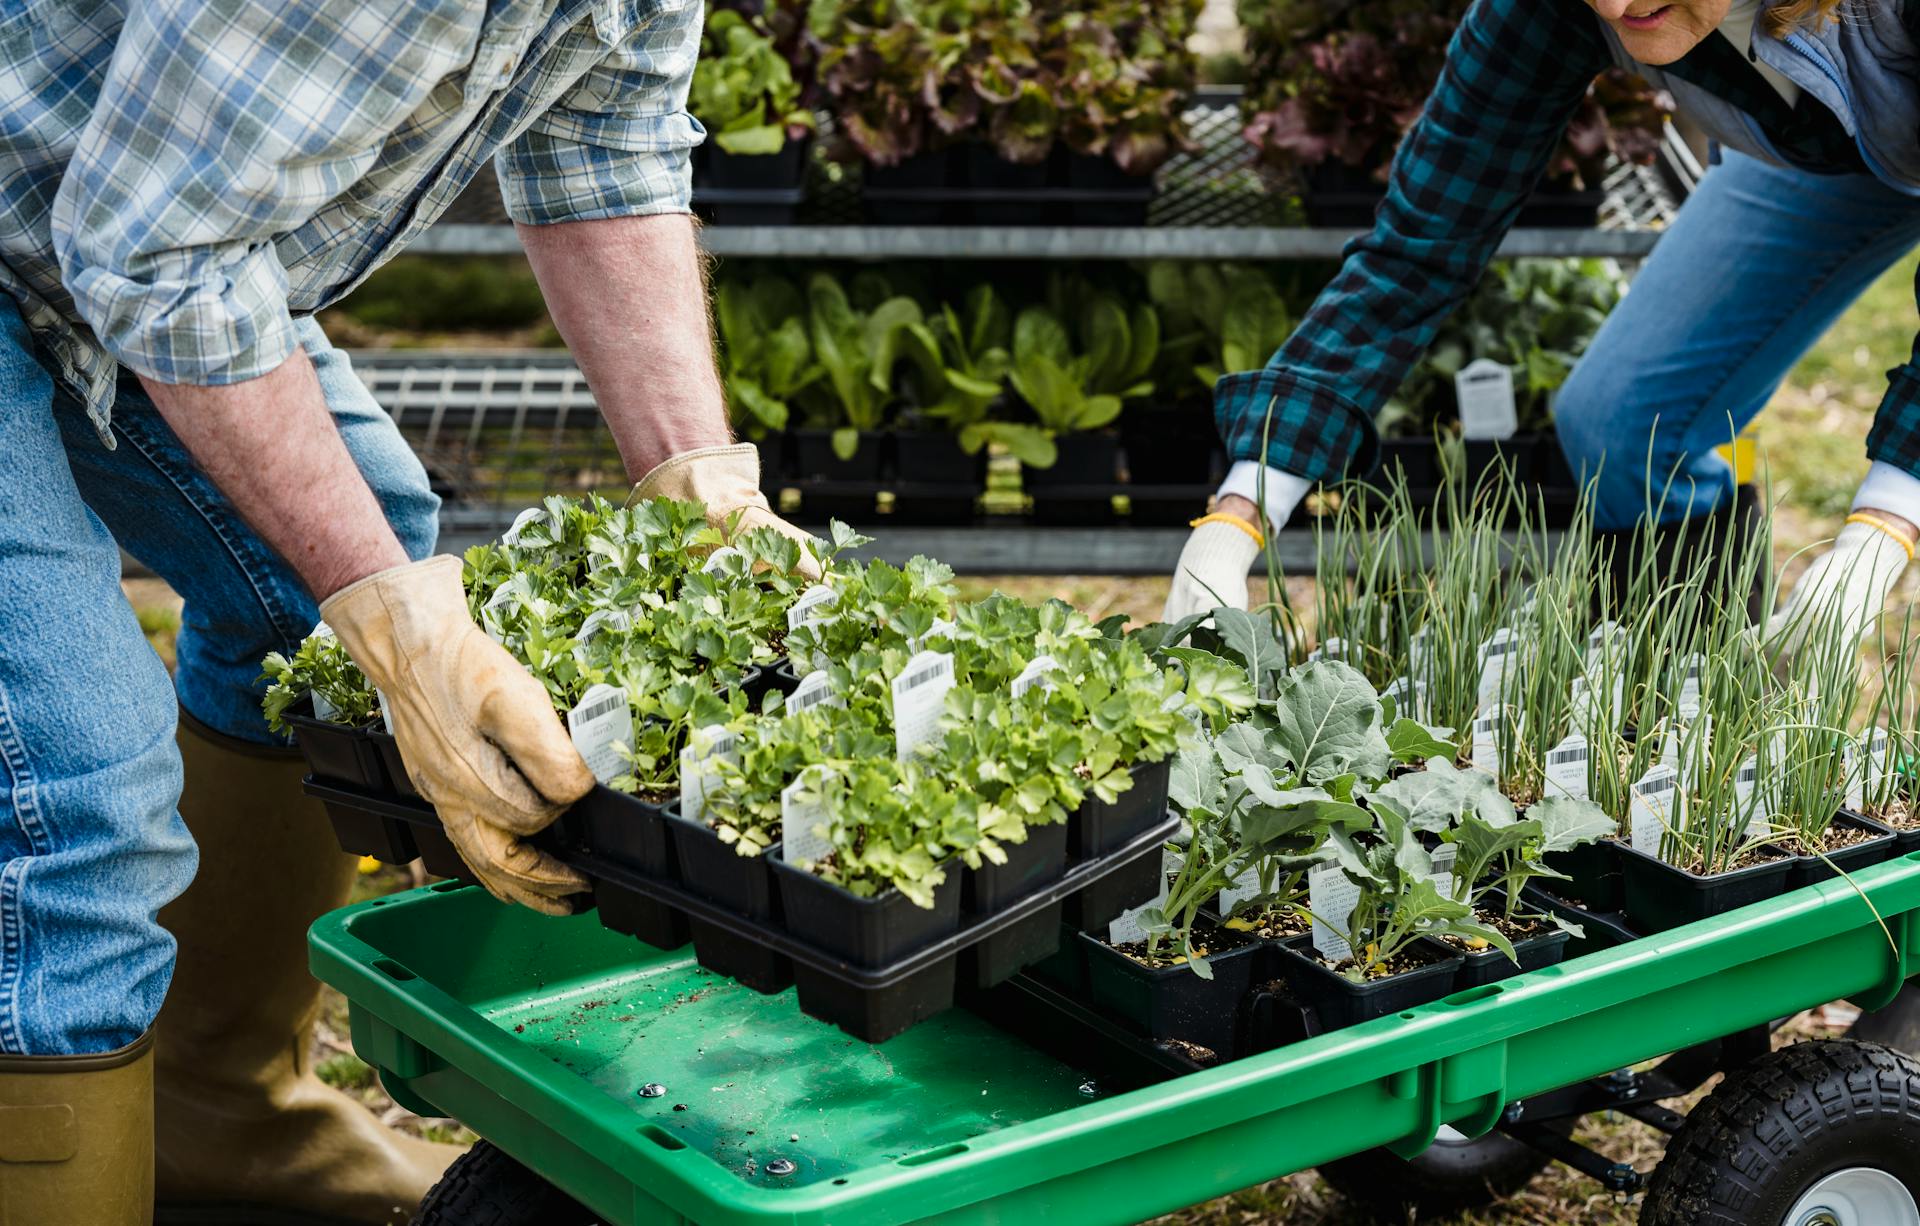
{"x":183,"y":184}
{"x":1813,"y":106}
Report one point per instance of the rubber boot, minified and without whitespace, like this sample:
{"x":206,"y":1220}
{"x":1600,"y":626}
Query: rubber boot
{"x":245,"y":1131}
{"x":76,"y":1138}
{"x":1718,"y":540}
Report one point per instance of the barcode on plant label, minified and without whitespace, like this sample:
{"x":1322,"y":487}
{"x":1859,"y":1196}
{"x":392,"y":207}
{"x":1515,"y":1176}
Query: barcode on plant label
{"x":1654,"y":809}
{"x":811,"y":606}
{"x":802,"y":816}
{"x":598,"y":724}
{"x":1486,"y":746}
{"x":1567,"y":765}
{"x":1495,"y":655}
{"x":520,"y":524}
{"x":1334,"y":648}
{"x":919,"y":692}
{"x":815,"y":689}
{"x":1331,"y":897}
{"x":699,"y":776}
{"x":604,"y":619}
{"x":1444,"y":858}
{"x":1035,"y":673}
{"x":941,"y":629}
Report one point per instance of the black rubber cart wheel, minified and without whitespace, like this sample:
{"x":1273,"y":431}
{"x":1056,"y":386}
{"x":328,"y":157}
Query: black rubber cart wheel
{"x":1823,"y":1133}
{"x":1451,"y":1176}
{"x":484,"y":1187}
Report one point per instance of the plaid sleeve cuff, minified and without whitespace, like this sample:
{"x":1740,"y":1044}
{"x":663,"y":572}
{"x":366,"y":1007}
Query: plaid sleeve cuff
{"x":545,"y":180}
{"x":196,"y":322}
{"x":1895,"y":437}
{"x":1305,"y":429}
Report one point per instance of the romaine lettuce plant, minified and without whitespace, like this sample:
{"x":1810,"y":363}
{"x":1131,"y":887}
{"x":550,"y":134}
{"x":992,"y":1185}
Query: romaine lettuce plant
{"x":743,"y":89}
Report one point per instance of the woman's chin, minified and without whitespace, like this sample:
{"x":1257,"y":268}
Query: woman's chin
{"x":1657,"y":48}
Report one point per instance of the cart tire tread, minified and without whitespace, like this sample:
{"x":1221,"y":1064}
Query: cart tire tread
{"x":1439,"y":1183}
{"x":1748,"y":1151}
{"x":486,"y":1187}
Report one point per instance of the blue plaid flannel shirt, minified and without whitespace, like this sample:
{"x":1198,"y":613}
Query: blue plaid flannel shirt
{"x":180,"y":178}
{"x":1515,"y":73}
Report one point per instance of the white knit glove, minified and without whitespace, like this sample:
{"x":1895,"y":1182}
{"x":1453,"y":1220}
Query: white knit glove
{"x":1213,"y":567}
{"x":1848,"y":585}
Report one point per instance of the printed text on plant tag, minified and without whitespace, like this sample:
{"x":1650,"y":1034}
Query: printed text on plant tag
{"x":600,"y":723}
{"x":1567,"y":767}
{"x":918,"y":694}
{"x":802,"y":816}
{"x":699,"y":775}
{"x":1331,"y":897}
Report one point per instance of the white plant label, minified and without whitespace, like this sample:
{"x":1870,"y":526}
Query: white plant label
{"x":1695,"y":748}
{"x":1445,"y":857}
{"x":918,"y":694}
{"x":386,"y":712}
{"x":1497,"y":655}
{"x":1850,"y":760}
{"x":511,"y":536}
{"x":598,"y":724}
{"x":1333,"y":649}
{"x":815,"y":690}
{"x":811,"y":606}
{"x":698,"y":774}
{"x":1747,"y":799}
{"x":1567,"y":765}
{"x":1243,"y":887}
{"x":1487,"y":409}
{"x":604,"y":619}
{"x":1690,"y":685}
{"x":1331,"y":897}
{"x":1406,"y":695}
{"x":718,"y":559}
{"x":1419,"y":652}
{"x":1486,"y":746}
{"x":941,"y":629}
{"x":1655,"y":809}
{"x":1035,"y":673}
{"x":1874,"y":761}
{"x":1128,"y":927}
{"x":800,"y":817}
{"x":323,"y":709}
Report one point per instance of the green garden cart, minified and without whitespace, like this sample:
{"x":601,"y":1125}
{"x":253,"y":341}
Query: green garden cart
{"x":620,"y":1084}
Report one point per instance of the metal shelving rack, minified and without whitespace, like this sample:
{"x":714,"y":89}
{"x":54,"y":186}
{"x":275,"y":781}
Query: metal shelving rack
{"x":497,"y":429}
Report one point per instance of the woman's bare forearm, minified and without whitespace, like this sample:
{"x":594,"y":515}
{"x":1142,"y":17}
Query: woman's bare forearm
{"x":629,"y":296}
{"x":271,"y":446}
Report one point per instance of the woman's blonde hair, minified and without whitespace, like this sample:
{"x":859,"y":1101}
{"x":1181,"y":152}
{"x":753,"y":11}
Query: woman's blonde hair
{"x":1783,"y":19}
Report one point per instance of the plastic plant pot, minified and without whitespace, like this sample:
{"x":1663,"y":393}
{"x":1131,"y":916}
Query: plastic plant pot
{"x":775,"y":461}
{"x":1169,"y":444}
{"x":737,"y":172}
{"x":1592,"y":875}
{"x":1127,"y":886}
{"x":935,"y":457}
{"x":437,"y":853}
{"x":641,"y":916}
{"x":1097,"y":827}
{"x":1030,"y":865}
{"x":1811,"y":870}
{"x":1066,"y":967}
{"x":815,"y":458}
{"x":1338,"y":1002}
{"x":625,"y":828}
{"x":364,"y":833}
{"x":869,"y":933}
{"x":1084,"y":459}
{"x":916,"y":192}
{"x":337,"y":753}
{"x":1418,"y":458}
{"x":1483,"y":966}
{"x":1599,"y":930}
{"x":1172,"y":1002}
{"x":393,"y":764}
{"x":742,"y":884}
{"x":1005,"y":193}
{"x":1516,"y":453}
{"x":1102,"y":194}
{"x":1660,"y":896}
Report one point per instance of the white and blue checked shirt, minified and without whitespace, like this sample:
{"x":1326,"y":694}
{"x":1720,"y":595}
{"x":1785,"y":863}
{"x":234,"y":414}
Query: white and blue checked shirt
{"x":180,"y":178}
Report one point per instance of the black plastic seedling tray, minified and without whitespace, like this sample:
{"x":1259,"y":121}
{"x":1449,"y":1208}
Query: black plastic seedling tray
{"x":1338,"y":1002}
{"x":1876,"y":849}
{"x":341,"y":753}
{"x":1660,"y":896}
{"x":874,"y":1002}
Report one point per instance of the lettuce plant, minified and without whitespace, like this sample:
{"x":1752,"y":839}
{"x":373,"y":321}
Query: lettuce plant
{"x":1076,"y":381}
{"x":857,"y":350}
{"x":766,"y":355}
{"x":743,"y":88}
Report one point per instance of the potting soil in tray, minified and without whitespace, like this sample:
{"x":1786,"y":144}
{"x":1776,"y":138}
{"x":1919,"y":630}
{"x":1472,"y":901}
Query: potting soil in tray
{"x":1660,"y":896}
{"x":1335,"y":1002}
{"x":1542,"y":945}
{"x":1852,"y":843}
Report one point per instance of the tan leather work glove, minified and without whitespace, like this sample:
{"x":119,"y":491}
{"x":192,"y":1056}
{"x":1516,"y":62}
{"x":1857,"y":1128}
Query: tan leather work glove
{"x":726,"y":479}
{"x":478,"y":733}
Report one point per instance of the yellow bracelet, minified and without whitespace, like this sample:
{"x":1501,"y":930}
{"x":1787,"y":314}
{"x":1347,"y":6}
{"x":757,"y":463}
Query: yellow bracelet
{"x":1221,"y":517}
{"x":1874,"y":521}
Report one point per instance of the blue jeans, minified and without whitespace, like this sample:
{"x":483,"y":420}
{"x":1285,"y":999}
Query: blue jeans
{"x":91,"y":845}
{"x":1757,"y":266}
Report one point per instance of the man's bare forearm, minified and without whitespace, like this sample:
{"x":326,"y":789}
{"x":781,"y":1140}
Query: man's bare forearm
{"x":271,"y":446}
{"x":629,"y":297}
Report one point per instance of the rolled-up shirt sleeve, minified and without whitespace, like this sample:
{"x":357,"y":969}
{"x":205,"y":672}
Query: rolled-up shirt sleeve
{"x":219,"y":126}
{"x":619,"y":143}
{"x":1515,"y":72}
